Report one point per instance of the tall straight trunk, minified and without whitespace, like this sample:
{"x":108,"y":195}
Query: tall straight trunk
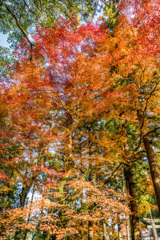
{"x":119,"y":233}
{"x":154,"y":170}
{"x":119,"y":227}
{"x":127,"y":217}
{"x":90,"y":230}
{"x":104,"y":230}
{"x":127,"y":228}
{"x":90,"y":178}
{"x":135,"y":225}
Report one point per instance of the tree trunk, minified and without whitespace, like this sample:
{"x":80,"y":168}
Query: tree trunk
{"x":127,"y":217}
{"x":119,"y":234}
{"x":23,"y":195}
{"x":135,"y":225}
{"x":90,"y":230}
{"x":154,"y":170}
{"x":104,"y":230}
{"x":127,"y":228}
{"x":90,"y":178}
{"x":119,"y":227}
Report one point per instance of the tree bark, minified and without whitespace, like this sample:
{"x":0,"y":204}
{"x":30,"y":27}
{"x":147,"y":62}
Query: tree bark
{"x":104,"y":230}
{"x":135,"y":225}
{"x":90,"y":230}
{"x":23,"y":195}
{"x":119,"y":227}
{"x":90,"y":178}
{"x":154,"y":170}
{"x":127,"y":228}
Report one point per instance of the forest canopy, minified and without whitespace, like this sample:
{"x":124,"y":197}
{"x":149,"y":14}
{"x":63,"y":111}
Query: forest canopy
{"x":79,"y":119}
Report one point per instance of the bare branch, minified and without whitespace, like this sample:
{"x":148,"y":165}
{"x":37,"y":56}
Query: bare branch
{"x":114,"y":173}
{"x":25,"y":3}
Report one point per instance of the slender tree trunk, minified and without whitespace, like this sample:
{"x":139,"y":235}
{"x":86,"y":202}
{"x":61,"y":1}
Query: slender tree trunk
{"x":126,"y":216}
{"x":90,"y":178}
{"x":30,"y":211}
{"x":127,"y":228}
{"x":119,"y":234}
{"x":135,"y":225}
{"x":113,"y":228}
{"x":154,"y":170}
{"x":90,"y":230}
{"x":23,"y":195}
{"x":104,"y":230}
{"x":119,"y":227}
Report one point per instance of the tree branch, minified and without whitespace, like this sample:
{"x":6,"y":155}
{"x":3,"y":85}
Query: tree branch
{"x":113,"y":173}
{"x":18,"y":25}
{"x":25,"y":3}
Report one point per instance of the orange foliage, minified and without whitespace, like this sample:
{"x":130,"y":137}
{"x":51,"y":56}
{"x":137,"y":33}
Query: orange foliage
{"x":75,"y":78}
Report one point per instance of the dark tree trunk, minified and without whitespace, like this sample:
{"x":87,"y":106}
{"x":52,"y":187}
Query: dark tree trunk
{"x":90,"y":230}
{"x":154,"y":170}
{"x":19,"y":234}
{"x":90,"y":178}
{"x":23,"y":195}
{"x":135,"y":225}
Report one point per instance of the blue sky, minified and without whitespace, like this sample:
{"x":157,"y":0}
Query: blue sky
{"x":3,"y":40}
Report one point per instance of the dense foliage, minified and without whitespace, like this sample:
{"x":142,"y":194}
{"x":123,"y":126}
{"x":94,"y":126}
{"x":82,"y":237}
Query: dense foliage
{"x":79,"y":121}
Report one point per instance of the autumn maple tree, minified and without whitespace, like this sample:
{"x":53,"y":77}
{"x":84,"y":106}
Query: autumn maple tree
{"x":79,"y":115}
